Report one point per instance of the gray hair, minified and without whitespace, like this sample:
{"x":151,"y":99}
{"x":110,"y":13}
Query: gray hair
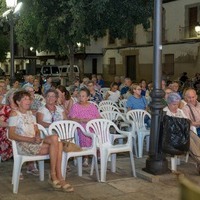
{"x":9,"y":94}
{"x":173,"y":97}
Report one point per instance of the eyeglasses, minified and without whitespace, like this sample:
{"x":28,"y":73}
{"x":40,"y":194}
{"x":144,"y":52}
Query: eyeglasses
{"x":53,"y":96}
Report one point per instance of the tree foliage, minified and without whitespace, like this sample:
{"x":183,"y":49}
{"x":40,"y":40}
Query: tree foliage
{"x":58,"y":24}
{"x":4,"y":38}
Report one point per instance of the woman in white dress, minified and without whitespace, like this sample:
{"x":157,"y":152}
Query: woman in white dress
{"x":23,"y":129}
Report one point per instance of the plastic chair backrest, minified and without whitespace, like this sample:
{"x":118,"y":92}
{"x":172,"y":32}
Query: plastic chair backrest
{"x":122,"y":103}
{"x":103,"y":108}
{"x":101,"y":128}
{"x":94,"y":103}
{"x":107,"y":102}
{"x":66,"y":129}
{"x":137,"y":116}
{"x":112,"y":115}
{"x":104,"y":90}
{"x":43,"y":131}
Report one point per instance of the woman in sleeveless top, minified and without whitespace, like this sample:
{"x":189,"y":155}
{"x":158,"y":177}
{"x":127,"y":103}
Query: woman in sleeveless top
{"x":23,"y":129}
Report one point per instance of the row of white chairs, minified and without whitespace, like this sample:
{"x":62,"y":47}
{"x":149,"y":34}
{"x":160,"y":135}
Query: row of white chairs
{"x":98,"y":130}
{"x":133,"y":121}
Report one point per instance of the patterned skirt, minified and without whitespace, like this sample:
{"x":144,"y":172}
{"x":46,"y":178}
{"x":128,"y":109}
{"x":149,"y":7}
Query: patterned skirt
{"x":26,"y":148}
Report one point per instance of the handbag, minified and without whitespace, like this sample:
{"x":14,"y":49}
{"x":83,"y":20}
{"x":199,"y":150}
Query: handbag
{"x":176,"y":135}
{"x":69,"y":146}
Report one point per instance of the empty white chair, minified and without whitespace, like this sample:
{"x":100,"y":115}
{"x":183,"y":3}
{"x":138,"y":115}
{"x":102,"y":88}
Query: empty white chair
{"x":68,"y":129}
{"x":103,"y":91}
{"x":101,"y":128}
{"x":108,"y":102}
{"x":123,"y":124}
{"x":20,"y":159}
{"x":122,"y":105}
{"x":103,"y":108}
{"x":137,"y":116}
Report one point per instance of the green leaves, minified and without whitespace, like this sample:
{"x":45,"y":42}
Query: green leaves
{"x":53,"y":25}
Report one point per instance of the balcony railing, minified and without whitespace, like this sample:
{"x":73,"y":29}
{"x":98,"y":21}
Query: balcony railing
{"x":187,"y":32}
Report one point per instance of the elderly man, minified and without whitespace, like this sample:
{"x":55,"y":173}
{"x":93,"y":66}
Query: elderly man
{"x":192,"y":108}
{"x":192,"y":111}
{"x":30,"y":81}
{"x":125,"y":89}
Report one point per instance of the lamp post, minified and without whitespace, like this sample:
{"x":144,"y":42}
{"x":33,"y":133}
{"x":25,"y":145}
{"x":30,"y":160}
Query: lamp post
{"x":156,"y":163}
{"x":13,"y":8}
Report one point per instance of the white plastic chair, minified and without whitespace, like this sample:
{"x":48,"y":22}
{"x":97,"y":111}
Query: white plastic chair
{"x":20,"y":159}
{"x":94,"y":103}
{"x":124,"y":124}
{"x":103,"y":91}
{"x":122,"y":105}
{"x":137,"y":116}
{"x":75,"y":100}
{"x":68,"y":129}
{"x":103,"y":108}
{"x":108,"y":102}
{"x":101,"y":128}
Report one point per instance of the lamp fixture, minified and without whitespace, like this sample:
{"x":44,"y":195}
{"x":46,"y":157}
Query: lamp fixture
{"x":197,"y":29}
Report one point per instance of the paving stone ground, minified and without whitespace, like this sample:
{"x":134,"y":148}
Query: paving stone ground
{"x":119,"y":186}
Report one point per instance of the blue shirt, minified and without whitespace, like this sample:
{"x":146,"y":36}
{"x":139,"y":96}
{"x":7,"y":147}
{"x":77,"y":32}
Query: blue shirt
{"x":124,"y":90}
{"x":136,"y":103}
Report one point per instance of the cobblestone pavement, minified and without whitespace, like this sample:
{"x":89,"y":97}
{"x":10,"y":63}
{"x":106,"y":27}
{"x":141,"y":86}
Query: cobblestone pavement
{"x":119,"y":185}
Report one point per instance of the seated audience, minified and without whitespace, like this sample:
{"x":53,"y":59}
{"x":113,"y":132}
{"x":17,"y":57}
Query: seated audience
{"x":172,"y":109}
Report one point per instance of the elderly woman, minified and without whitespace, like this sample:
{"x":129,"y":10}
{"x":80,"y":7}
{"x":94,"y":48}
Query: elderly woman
{"x":51,"y":111}
{"x":137,"y":101}
{"x":83,"y":112}
{"x":172,"y":109}
{"x":95,"y":95}
{"x":23,"y":129}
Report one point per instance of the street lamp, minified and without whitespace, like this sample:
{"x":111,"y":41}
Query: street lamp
{"x":13,"y":8}
{"x":197,"y":29}
{"x":156,"y":163}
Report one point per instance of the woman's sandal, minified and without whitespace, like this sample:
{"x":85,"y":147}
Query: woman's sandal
{"x":66,"y":187}
{"x":55,"y":184}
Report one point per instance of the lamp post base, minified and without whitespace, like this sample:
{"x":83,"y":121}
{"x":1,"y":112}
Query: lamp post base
{"x":156,"y":167}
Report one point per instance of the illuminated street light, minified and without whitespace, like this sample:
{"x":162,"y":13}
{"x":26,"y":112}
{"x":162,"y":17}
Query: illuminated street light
{"x":9,"y":14}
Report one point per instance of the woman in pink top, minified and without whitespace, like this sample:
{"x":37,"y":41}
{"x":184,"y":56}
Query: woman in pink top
{"x":82,"y":112}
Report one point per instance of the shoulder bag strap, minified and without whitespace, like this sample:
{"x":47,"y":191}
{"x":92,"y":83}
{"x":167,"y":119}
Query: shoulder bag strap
{"x":192,"y":113}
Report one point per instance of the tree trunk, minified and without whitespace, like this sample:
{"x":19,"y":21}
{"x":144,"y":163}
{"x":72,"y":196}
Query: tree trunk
{"x":71,"y":62}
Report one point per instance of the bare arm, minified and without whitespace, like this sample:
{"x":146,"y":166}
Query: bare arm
{"x":106,"y":96}
{"x":40,"y":117}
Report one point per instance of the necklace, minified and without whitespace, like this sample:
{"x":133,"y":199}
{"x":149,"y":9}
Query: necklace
{"x":52,"y":112}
